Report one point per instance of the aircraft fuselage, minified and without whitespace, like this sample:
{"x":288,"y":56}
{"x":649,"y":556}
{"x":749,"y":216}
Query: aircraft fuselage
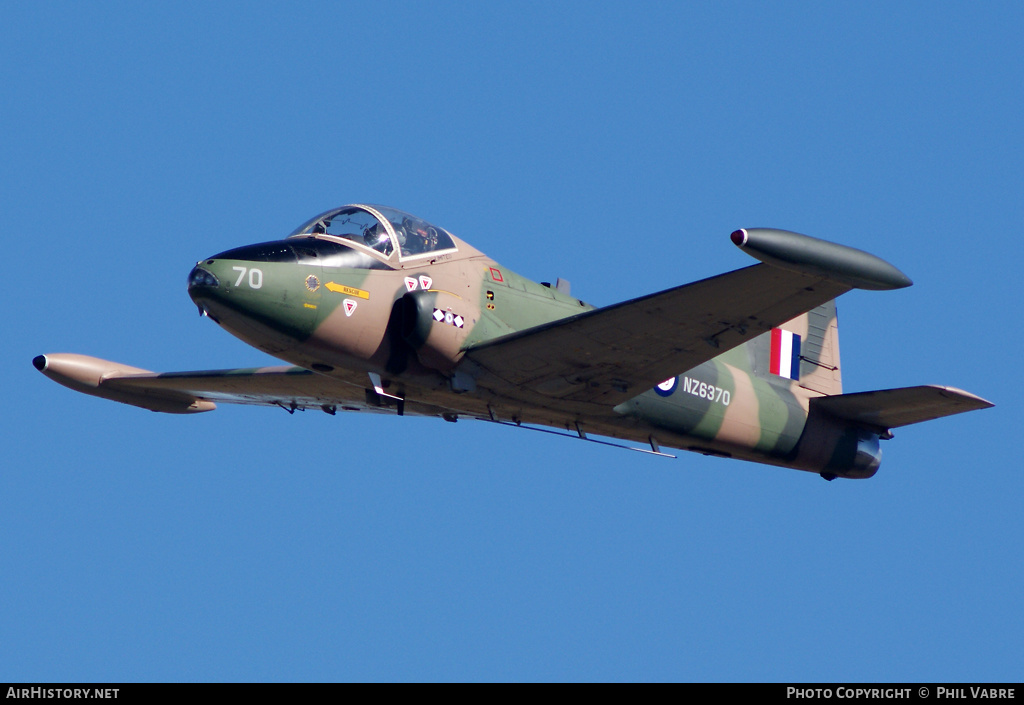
{"x":346,"y":311}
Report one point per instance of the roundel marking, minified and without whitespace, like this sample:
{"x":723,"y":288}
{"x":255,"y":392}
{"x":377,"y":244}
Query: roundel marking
{"x":666,"y":388}
{"x":312,"y":283}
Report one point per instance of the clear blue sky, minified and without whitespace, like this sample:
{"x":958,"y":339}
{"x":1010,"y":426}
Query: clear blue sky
{"x":613,"y":145}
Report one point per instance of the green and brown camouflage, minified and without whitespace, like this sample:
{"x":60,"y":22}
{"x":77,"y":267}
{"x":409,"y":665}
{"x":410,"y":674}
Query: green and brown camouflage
{"x":380,"y":311}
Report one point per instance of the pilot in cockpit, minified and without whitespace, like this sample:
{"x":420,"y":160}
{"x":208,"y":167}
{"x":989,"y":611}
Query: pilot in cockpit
{"x":376,"y":236}
{"x":420,"y":237}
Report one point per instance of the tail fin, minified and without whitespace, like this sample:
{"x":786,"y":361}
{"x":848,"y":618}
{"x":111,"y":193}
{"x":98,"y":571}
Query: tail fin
{"x":805,"y":350}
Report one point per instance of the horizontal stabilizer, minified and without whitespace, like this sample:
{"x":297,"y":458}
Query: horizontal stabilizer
{"x":890,"y":408}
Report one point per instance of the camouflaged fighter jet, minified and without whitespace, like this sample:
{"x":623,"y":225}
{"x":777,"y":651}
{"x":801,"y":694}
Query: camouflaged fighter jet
{"x":381,"y":311}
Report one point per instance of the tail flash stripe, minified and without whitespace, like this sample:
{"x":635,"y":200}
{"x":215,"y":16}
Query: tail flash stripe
{"x":785,"y":355}
{"x":776,"y":350}
{"x":794,"y":369}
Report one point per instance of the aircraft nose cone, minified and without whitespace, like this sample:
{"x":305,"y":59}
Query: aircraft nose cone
{"x":202,"y":286}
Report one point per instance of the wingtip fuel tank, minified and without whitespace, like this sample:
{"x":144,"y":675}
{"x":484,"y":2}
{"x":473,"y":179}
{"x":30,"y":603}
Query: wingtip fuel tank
{"x":809,"y":255}
{"x":87,"y":375}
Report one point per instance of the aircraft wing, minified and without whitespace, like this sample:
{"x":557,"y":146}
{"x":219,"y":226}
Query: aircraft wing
{"x":268,"y":386}
{"x":890,"y":408}
{"x":191,"y":392}
{"x":612,"y":354}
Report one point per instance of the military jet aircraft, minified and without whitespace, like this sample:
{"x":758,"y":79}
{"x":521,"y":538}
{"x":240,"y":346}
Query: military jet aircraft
{"x":378,"y":310}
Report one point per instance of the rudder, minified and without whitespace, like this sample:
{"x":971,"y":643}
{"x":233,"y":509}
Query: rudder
{"x":813,"y":347}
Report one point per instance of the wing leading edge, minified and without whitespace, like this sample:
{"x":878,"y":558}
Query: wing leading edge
{"x":612,"y":354}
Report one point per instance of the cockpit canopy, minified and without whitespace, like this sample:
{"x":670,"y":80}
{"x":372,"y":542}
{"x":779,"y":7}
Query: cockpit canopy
{"x":380,"y":228}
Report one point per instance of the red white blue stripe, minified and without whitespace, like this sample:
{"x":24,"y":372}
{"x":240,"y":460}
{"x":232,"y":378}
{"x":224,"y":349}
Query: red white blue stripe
{"x":785,"y":357}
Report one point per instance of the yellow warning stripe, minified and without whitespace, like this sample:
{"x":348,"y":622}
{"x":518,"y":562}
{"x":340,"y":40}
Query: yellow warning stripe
{"x":351,"y":291}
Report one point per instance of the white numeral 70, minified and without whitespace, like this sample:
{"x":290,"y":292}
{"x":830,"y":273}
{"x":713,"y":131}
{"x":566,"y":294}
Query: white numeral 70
{"x":255,"y":277}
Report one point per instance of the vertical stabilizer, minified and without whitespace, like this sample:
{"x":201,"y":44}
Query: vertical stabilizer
{"x":805,"y":351}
